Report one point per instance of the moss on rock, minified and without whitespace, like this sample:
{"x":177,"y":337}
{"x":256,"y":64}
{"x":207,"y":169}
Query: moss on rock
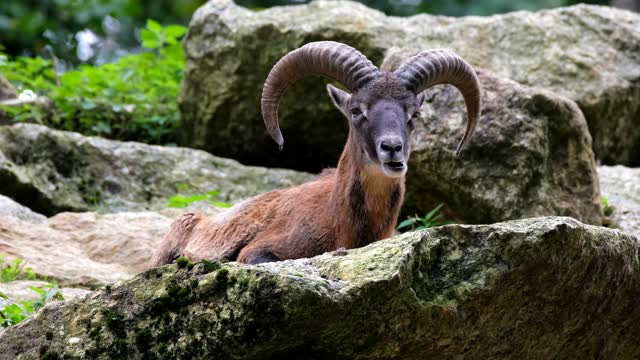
{"x":523,"y":289}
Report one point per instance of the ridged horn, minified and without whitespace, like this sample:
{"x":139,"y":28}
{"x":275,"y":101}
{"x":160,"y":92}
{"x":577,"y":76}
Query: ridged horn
{"x":330,"y":59}
{"x":442,"y":66}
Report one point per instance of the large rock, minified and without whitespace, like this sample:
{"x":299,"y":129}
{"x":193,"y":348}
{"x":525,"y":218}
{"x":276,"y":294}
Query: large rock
{"x":590,"y":54}
{"x":621,"y":188}
{"x":530,"y":289}
{"x":52,"y":171}
{"x":531,"y":156}
{"x":8,"y":207}
{"x":85,"y":249}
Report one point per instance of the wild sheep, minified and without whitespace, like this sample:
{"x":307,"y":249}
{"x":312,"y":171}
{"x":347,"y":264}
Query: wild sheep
{"x":352,"y":205}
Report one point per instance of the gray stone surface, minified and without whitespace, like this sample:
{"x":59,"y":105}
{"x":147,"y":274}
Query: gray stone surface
{"x":621,"y":186}
{"x":8,"y":207}
{"x":529,"y":289}
{"x":590,"y":54}
{"x":84,"y":249}
{"x":52,"y":171}
{"x":531,"y":156}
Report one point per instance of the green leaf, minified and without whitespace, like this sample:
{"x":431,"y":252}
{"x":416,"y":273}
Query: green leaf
{"x":406,"y":223}
{"x":173,"y":52}
{"x":40,"y":291}
{"x":174,"y":31}
{"x":154,"y":26}
{"x":432,"y":212}
{"x":149,"y":39}
{"x":221,"y":204}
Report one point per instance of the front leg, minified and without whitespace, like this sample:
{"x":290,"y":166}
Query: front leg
{"x":255,"y":255}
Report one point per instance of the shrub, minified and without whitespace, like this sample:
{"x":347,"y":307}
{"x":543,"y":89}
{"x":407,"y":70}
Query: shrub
{"x":14,"y":313}
{"x":134,"y":98}
{"x":14,"y":270}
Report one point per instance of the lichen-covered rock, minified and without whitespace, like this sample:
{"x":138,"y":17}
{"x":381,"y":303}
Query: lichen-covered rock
{"x":52,"y":171}
{"x":531,"y":156}
{"x":621,"y":189}
{"x":590,"y":54}
{"x":528,"y":289}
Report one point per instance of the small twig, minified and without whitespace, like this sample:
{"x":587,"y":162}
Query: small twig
{"x":54,"y":61}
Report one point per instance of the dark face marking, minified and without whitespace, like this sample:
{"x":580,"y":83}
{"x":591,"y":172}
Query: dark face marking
{"x":381,"y":117}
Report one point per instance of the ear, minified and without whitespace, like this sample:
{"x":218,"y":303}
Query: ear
{"x":420,"y":98}
{"x":340,"y":99}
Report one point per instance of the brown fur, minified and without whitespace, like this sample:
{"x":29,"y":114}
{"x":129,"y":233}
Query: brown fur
{"x":350,"y":206}
{"x":346,"y":208}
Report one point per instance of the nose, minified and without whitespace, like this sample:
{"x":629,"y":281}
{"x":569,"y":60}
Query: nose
{"x":391,"y":145}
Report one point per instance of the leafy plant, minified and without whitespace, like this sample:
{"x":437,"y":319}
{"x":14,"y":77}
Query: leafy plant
{"x":14,"y":270}
{"x":607,"y":209}
{"x":431,"y":219}
{"x":180,"y":201}
{"x":134,"y":98}
{"x":15,"y":313}
{"x":44,"y":27}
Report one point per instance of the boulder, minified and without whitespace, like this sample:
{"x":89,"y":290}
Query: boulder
{"x":528,"y":289}
{"x":8,"y":207}
{"x":531,"y":156}
{"x":590,"y":54}
{"x":621,"y":189}
{"x":52,"y":171}
{"x":84,"y":249}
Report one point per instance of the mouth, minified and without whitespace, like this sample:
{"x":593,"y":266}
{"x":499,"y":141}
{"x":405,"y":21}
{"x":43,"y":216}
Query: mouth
{"x":394,"y":168}
{"x":395,"y":165}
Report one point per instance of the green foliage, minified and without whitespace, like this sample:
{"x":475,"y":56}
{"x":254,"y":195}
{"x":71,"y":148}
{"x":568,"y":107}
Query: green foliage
{"x":35,"y":26}
{"x":431,"y":219}
{"x":180,"y":201}
{"x":15,"y":313}
{"x":607,"y":209}
{"x":14,"y":270}
{"x":134,"y":98}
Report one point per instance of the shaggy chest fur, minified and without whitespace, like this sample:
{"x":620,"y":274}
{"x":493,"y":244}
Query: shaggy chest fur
{"x":370,"y":209}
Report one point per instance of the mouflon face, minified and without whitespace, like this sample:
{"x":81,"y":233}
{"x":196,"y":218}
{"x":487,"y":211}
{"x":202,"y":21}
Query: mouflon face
{"x":382,"y":116}
{"x":382,"y":105}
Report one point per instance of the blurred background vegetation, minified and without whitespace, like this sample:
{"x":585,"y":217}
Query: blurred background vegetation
{"x":100,"y":31}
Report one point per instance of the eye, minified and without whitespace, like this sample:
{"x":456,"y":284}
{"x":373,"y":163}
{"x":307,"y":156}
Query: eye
{"x":356,"y":112}
{"x":412,"y":119}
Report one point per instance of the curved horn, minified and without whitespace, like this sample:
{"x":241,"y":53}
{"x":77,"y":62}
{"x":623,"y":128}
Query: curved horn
{"x":325,"y":58}
{"x":441,"y":66}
